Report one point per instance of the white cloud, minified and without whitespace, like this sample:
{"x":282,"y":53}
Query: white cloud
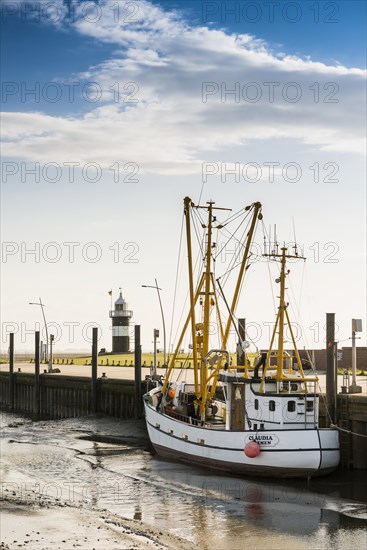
{"x":170,"y":129}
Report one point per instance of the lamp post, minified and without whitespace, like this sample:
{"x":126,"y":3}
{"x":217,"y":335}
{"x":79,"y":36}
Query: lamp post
{"x":163,"y":323}
{"x":44,"y":320}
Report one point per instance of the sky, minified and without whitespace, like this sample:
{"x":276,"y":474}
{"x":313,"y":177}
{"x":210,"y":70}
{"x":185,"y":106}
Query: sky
{"x":113,"y":112}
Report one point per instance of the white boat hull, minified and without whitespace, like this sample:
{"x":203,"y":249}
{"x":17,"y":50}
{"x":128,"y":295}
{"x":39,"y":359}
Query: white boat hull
{"x":284,"y":453}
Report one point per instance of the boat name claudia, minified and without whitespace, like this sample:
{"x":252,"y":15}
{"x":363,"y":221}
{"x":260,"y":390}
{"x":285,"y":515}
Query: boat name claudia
{"x":268,"y":440}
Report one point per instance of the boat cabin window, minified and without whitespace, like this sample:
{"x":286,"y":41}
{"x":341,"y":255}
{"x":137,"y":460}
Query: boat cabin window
{"x":309,"y":406}
{"x":291,"y":406}
{"x":272,"y":405}
{"x":294,"y":387}
{"x":256,"y":404}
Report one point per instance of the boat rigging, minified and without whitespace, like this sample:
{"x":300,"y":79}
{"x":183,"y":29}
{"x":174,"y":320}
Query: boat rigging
{"x":231,"y":418}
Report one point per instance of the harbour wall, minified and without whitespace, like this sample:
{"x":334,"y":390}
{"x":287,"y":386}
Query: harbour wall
{"x":68,"y":396}
{"x":351,"y":419}
{"x":57,"y":397}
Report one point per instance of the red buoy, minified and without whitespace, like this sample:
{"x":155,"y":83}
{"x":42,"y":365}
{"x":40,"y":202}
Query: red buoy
{"x":252,"y":449}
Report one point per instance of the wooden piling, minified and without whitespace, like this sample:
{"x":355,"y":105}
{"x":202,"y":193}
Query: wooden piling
{"x":11,"y":371}
{"x":36,"y":405}
{"x":94,"y":369}
{"x":330,"y":365}
{"x":242,"y":337}
{"x":137,"y":371}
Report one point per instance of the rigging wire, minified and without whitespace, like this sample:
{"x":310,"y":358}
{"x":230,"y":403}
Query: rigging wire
{"x":236,"y":215}
{"x":196,"y":269}
{"x":184,"y":308}
{"x":236,"y":255}
{"x":226,"y":273}
{"x":296,"y":309}
{"x":228,"y":308}
{"x":201,"y":191}
{"x":181,"y":370}
{"x":198,"y":213}
{"x":234,"y":317}
{"x":299,"y":321}
{"x":176,"y":282}
{"x":265,"y":233}
{"x":233,"y":234}
{"x":195,"y":220}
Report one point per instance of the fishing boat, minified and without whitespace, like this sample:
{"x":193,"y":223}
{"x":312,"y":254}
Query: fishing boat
{"x":260,"y":419}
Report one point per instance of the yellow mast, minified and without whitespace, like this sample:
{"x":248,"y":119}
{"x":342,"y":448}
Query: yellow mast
{"x":207,"y":283}
{"x":180,"y":340}
{"x":282,"y":319}
{"x":250,"y":234}
{"x":187,"y":203}
{"x":282,"y":306}
{"x":207,"y":296}
{"x":224,"y":335}
{"x":206,"y":287}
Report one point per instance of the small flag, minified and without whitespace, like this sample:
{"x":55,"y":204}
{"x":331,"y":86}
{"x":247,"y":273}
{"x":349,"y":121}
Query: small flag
{"x":110,"y":292}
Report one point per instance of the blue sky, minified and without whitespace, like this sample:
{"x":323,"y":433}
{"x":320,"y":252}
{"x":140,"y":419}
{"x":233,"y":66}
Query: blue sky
{"x":326,"y":30}
{"x":331,"y":32}
{"x":186,"y":73}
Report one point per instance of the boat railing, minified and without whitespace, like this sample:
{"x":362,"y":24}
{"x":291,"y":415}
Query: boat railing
{"x":182,"y":417}
{"x":290,"y":384}
{"x":213,"y":423}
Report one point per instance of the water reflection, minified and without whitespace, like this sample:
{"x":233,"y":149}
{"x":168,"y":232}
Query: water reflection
{"x":211,"y":510}
{"x":194,"y":503}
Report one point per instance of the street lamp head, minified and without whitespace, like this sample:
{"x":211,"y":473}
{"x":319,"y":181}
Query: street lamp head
{"x":151,"y":286}
{"x":45,"y":323}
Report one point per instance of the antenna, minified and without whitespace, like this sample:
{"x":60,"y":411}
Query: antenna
{"x":295,"y":240}
{"x":269,"y":239}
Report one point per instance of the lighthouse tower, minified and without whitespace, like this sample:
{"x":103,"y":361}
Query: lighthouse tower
{"x":120,"y":316}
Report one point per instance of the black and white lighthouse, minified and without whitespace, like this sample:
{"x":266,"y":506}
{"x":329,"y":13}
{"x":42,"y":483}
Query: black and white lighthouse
{"x":120,"y":316}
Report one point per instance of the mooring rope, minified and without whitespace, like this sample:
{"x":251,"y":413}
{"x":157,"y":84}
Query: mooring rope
{"x":346,"y":431}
